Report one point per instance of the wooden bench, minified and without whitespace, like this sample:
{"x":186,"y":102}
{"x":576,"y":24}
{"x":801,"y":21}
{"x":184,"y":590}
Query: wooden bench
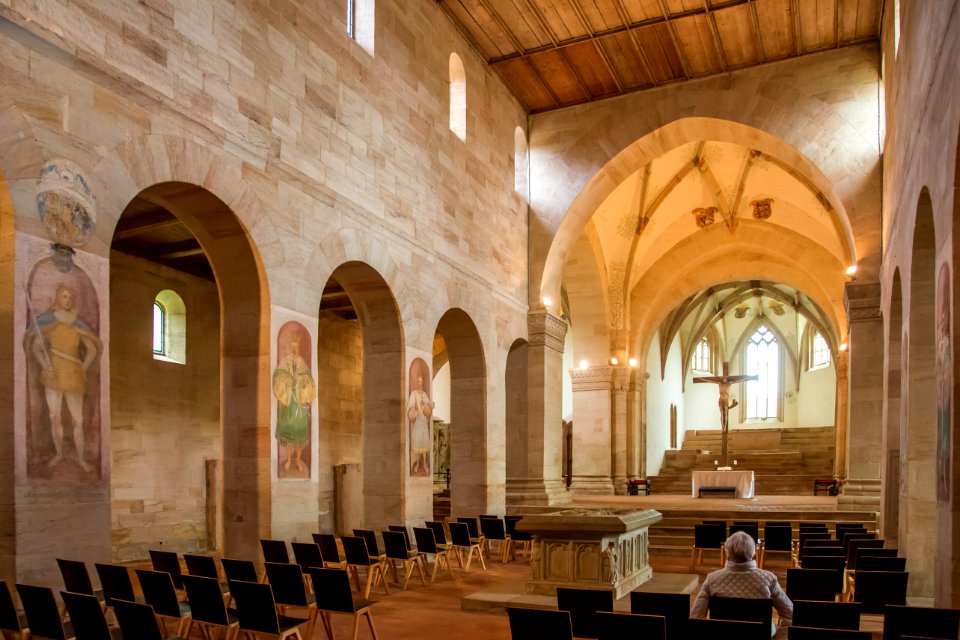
{"x":717,"y":492}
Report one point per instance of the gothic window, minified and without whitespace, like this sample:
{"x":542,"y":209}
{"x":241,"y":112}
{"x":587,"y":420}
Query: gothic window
{"x":458,"y":97}
{"x":763,"y":360}
{"x":819,"y":351}
{"x":701,"y":356}
{"x":169,"y":327}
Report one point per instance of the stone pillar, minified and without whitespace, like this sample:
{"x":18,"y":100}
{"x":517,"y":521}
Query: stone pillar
{"x":592,"y":432}
{"x":861,"y":490}
{"x":544,"y":482}
{"x":623,"y":412}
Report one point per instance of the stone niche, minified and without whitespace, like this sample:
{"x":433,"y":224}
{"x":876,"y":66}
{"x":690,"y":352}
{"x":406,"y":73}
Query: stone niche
{"x":587,"y":548}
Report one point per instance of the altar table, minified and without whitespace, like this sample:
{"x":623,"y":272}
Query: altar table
{"x":742,"y":480}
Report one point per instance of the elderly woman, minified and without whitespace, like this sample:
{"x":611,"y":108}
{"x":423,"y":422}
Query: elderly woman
{"x":741,"y":578}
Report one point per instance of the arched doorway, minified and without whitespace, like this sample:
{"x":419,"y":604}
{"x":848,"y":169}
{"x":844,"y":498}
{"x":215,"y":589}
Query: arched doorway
{"x":890,"y":488}
{"x":186,"y":435}
{"x":469,"y":482}
{"x":360,"y":386}
{"x":918,"y":514}
{"x":515,"y":383}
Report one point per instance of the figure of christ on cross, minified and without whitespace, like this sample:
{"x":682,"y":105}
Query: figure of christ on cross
{"x":725,"y":403}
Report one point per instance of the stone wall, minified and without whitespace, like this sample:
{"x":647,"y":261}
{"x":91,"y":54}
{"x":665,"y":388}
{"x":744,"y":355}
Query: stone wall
{"x":165,"y":416}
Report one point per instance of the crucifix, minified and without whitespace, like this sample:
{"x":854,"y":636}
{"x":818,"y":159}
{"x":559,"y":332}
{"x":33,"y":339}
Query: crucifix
{"x":726,"y":404}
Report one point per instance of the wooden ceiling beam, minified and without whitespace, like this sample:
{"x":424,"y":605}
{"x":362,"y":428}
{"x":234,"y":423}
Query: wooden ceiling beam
{"x":135,"y":228}
{"x":757,"y":33}
{"x":797,"y":29}
{"x":715,"y":33}
{"x":176,"y":250}
{"x":617,"y":80}
{"x":684,"y":63}
{"x":635,"y":40}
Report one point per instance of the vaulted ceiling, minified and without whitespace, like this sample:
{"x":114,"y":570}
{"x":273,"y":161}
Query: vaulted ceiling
{"x":558,"y":53}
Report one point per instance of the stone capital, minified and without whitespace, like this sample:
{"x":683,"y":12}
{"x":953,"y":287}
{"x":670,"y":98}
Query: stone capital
{"x":861,"y":301}
{"x":546,"y":329}
{"x":622,"y":378}
{"x":592,"y":378}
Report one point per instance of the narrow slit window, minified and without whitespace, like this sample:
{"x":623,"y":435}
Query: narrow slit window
{"x":458,"y":97}
{"x":159,"y":329}
{"x":169,"y":327}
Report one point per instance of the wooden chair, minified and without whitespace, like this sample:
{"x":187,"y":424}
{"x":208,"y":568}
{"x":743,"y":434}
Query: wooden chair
{"x":731,"y":629}
{"x":876,"y":589}
{"x":742,"y":609}
{"x":462,"y":541}
{"x":406,"y":534}
{"x":827,"y":615}
{"x":674,"y":607}
{"x":169,"y":562}
{"x":307,"y":554}
{"x":257,"y":612}
{"x":333,"y":596}
{"x":583,"y":605}
{"x":397,"y":552}
{"x":751,"y":528}
{"x":925,"y":622}
{"x":616,"y":626}
{"x":86,"y":616}
{"x":881,"y":563}
{"x":138,"y":621}
{"x":440,"y":534}
{"x":42,"y":613}
{"x":116,"y":583}
{"x":159,"y":593}
{"x":857,"y":555}
{"x":329,"y":550}
{"x":239,"y":570}
{"x":209,"y":612}
{"x":707,"y":537}
{"x":76,"y":578}
{"x":9,"y":618}
{"x":810,"y":633}
{"x":287,"y":582}
{"x":274,"y":551}
{"x":814,"y":584}
{"x":200,"y":565}
{"x":522,"y":541}
{"x":358,"y":555}
{"x":475,"y":532}
{"x":494,"y":529}
{"x":428,"y":546}
{"x":540,"y":623}
{"x":777,"y":538}
{"x":373,"y":546}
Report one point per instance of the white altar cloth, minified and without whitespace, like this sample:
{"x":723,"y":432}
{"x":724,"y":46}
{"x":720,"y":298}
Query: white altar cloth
{"x":742,"y":480}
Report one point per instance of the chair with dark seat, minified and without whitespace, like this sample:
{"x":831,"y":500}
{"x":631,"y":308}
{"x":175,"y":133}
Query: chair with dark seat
{"x":475,"y":532}
{"x":674,"y":607}
{"x":138,"y":621}
{"x":275,"y":551}
{"x":925,"y":622}
{"x":833,"y":563}
{"x":851,"y":537}
{"x":207,"y":606}
{"x":876,"y":589}
{"x":358,"y":555}
{"x":257,"y":612}
{"x":86,"y":616}
{"x":427,"y":546}
{"x":540,"y":623}
{"x":742,"y":609}
{"x":406,"y":534}
{"x":858,"y":553}
{"x":814,"y":584}
{"x":812,"y":526}
{"x":814,"y":633}
{"x":880,"y":563}
{"x":521,"y":541}
{"x":583,"y":605}
{"x":494,"y":529}
{"x":200,"y":565}
{"x":749,"y":527}
{"x":777,"y":538}
{"x":159,"y":593}
{"x":239,"y":570}
{"x":43,"y":616}
{"x":731,"y":629}
{"x":287,"y":582}
{"x":842,"y":527}
{"x":116,"y":583}
{"x":462,"y":541}
{"x":373,"y":545}
{"x":307,"y":554}
{"x":397,"y":551}
{"x":329,"y":550}
{"x":616,"y":626}
{"x":76,"y":578}
{"x":826,"y":615}
{"x":440,"y":534}
{"x":718,"y":523}
{"x":333,"y":596}
{"x":814,"y":534}
{"x":707,"y":537}
{"x":169,"y":562}
{"x":9,"y":619}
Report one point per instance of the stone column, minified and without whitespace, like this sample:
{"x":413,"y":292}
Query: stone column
{"x":592,"y":431}
{"x":544,"y":482}
{"x":861,"y":490}
{"x":623,"y":413}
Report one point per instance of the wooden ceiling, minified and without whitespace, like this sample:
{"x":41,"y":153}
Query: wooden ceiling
{"x":558,"y":53}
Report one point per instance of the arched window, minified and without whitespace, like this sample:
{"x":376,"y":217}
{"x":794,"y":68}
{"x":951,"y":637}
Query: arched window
{"x":169,"y":327}
{"x":896,"y":28}
{"x":521,"y":162}
{"x":701,"y":356}
{"x":458,"y":97}
{"x":763,"y":360}
{"x":819,"y":351}
{"x":360,"y":22}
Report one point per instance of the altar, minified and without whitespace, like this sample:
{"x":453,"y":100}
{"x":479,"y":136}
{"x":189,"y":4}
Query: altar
{"x":589,"y":548}
{"x":741,"y":480}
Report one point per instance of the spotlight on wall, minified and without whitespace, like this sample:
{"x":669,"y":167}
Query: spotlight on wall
{"x":547,"y":302}
{"x":851,"y":270}
{"x":584,"y":365}
{"x":843,"y":347}
{"x":614,"y":361}
{"x":633,"y":362}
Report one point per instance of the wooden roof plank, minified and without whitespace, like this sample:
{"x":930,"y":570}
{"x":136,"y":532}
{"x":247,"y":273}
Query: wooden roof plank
{"x":625,"y":60}
{"x":737,"y":36}
{"x":525,"y":85}
{"x":659,"y":47}
{"x":477,"y":35}
{"x":558,"y":77}
{"x":817,"y":24}
{"x":560,"y":18}
{"x":642,"y":10}
{"x":521,"y":23}
{"x":590,"y":65}
{"x":777,"y":35}
{"x":697,"y":43}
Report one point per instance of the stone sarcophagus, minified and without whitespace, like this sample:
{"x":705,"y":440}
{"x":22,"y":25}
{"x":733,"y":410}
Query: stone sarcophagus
{"x":589,"y":548}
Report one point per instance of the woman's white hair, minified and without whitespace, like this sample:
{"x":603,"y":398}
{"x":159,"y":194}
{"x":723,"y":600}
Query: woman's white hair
{"x":740,"y":547}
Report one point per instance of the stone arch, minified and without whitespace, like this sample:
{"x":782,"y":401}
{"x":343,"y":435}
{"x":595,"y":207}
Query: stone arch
{"x":383,"y":379}
{"x":890,"y":488}
{"x":470,"y":492}
{"x":921,"y":406}
{"x":651,"y":144}
{"x":515,"y":383}
{"x":586,"y":283}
